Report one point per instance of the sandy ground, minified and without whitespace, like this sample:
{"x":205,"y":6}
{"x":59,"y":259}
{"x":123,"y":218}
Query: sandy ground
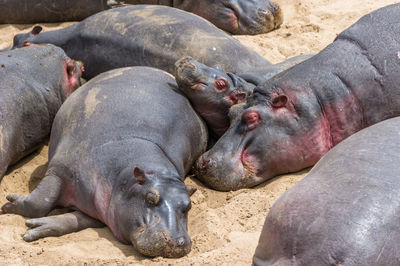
{"x":224,"y":227}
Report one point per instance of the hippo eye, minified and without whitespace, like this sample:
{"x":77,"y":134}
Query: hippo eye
{"x":153,"y":197}
{"x":221,"y":84}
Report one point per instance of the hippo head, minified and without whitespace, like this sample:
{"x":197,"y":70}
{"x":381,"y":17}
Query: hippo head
{"x":21,"y":39}
{"x":211,"y":91}
{"x":278,"y":130}
{"x":149,"y":210}
{"x":248,"y":17}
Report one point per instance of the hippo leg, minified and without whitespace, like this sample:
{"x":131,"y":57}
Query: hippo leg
{"x":39,"y":202}
{"x":59,"y":225}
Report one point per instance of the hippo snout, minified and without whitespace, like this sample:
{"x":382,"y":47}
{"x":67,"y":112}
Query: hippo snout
{"x":154,"y":244}
{"x":217,"y":174}
{"x":186,"y":70}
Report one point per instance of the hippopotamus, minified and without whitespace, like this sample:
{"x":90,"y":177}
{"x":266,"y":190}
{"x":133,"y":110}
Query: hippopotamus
{"x":212,"y":91}
{"x":248,"y":17}
{"x":34,"y":82}
{"x":346,"y":211}
{"x":33,"y":11}
{"x":291,"y":120}
{"x":146,"y":35}
{"x":119,"y":150}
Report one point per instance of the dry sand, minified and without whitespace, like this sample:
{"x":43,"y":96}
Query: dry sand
{"x":224,"y":227}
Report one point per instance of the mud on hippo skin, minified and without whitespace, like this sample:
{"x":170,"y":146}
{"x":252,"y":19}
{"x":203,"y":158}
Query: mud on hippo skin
{"x":146,"y":35}
{"x":293,"y":119}
{"x":346,"y":211}
{"x":129,"y":175}
{"x":34,"y":82}
{"x":34,"y":11}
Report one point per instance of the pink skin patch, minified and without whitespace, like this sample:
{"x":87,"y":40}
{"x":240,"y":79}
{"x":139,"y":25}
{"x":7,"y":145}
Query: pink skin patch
{"x":398,"y":55}
{"x":233,"y":18}
{"x":26,"y":44}
{"x":73,"y":71}
{"x":249,"y":162}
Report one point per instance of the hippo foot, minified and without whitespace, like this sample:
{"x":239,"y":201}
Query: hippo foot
{"x":19,"y":204}
{"x":58,"y":225}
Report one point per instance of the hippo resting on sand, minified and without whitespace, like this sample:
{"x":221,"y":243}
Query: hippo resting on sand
{"x":346,"y":211}
{"x":34,"y":82}
{"x":293,"y":119}
{"x":234,"y":16}
{"x":212,"y":91}
{"x":33,"y":11}
{"x":120,"y":148}
{"x":146,"y":35}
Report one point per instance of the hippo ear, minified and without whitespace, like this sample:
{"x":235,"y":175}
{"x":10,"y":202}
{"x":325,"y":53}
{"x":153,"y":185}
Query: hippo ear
{"x":36,"y":30}
{"x":139,"y":174}
{"x":279,"y":101}
{"x":191,"y":191}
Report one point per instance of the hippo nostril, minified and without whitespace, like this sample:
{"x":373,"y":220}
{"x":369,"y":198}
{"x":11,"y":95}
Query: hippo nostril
{"x":180,"y":241}
{"x":206,"y":162}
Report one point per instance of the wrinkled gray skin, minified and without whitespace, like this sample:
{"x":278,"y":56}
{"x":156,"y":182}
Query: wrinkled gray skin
{"x":235,"y":16}
{"x":212,"y":91}
{"x":34,"y":82}
{"x":291,"y":120}
{"x":144,"y":137}
{"x":346,"y":211}
{"x":34,"y":11}
{"x":146,"y":35}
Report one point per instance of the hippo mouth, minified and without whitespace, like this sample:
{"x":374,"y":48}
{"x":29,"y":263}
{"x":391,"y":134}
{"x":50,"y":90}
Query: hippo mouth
{"x":73,"y":70}
{"x":229,"y":171}
{"x":233,"y":15}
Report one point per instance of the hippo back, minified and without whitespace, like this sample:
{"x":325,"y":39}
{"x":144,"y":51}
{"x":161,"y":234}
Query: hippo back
{"x":139,"y":98}
{"x":147,"y":35}
{"x":29,"y":99}
{"x":346,"y":211}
